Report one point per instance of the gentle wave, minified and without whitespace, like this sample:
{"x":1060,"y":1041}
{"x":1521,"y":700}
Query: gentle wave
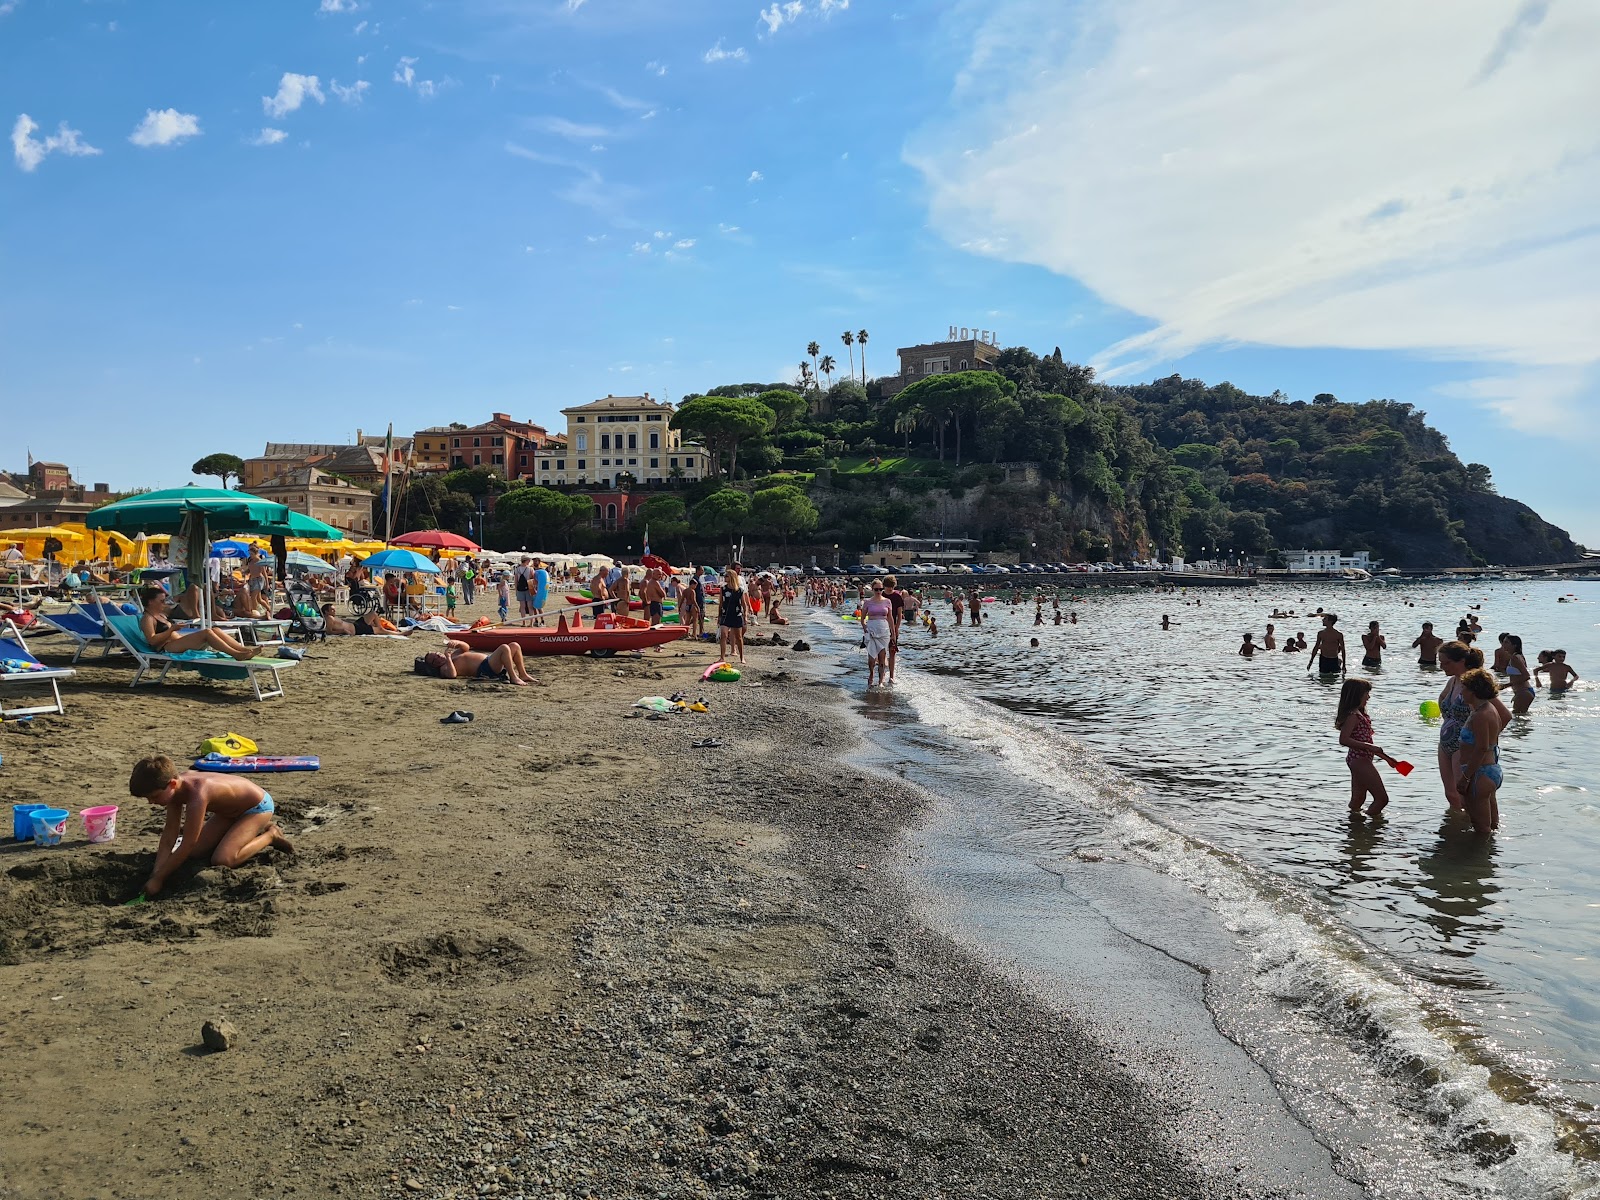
{"x":1406,"y":1030}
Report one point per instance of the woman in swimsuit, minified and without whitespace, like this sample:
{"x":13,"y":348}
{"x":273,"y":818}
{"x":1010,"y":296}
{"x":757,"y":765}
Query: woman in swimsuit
{"x":1518,"y":678}
{"x":1355,"y":734}
{"x":160,"y":634}
{"x":730,"y":614}
{"x":877,"y":615}
{"x":1455,"y":658}
{"x":1480,"y":773}
{"x":1373,"y":644}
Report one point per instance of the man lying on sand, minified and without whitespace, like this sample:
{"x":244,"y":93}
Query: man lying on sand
{"x":460,"y":661}
{"x":224,"y":816}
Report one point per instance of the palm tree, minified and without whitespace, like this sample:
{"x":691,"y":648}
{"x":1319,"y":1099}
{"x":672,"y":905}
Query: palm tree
{"x":862,"y":338}
{"x":906,"y":423}
{"x":828,"y":366}
{"x":807,"y":379}
{"x":813,"y":350}
{"x":849,"y":339}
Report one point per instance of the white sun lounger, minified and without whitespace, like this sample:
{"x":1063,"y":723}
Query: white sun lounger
{"x":13,"y":649}
{"x":208,"y":663}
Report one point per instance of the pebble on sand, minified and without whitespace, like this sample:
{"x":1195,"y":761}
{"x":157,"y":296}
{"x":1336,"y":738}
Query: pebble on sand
{"x":219,"y":1035}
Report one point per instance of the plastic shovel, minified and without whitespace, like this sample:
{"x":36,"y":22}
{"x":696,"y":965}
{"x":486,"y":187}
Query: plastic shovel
{"x":1404,"y":768}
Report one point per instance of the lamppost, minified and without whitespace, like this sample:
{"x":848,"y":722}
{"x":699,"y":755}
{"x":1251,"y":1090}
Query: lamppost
{"x":836,"y":554}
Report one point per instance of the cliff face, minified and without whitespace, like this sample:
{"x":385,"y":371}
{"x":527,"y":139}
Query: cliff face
{"x":1503,"y":531}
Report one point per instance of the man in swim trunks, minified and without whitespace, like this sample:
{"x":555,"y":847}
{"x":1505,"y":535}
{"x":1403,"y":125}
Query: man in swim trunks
{"x":460,"y":661}
{"x":654,"y":596}
{"x":1562,"y":677}
{"x":1328,"y":650}
{"x":1427,"y":646}
{"x":225,"y":817}
{"x":1270,"y":641}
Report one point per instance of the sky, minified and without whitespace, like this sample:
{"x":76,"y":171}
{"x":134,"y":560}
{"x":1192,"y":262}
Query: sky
{"x":227,"y":224}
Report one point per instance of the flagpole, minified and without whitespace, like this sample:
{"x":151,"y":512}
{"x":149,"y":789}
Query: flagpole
{"x":388,"y":497}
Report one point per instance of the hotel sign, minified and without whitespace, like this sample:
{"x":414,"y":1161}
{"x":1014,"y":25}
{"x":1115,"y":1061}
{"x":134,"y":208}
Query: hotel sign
{"x":960,"y":333}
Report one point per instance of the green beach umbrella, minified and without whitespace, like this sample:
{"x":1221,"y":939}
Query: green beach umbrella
{"x":166,"y":511}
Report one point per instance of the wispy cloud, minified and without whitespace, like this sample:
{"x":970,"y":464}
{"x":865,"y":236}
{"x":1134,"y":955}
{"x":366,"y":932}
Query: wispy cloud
{"x":405,"y":73}
{"x":268,"y":137}
{"x":293,"y":91}
{"x":338,"y":6}
{"x":755,"y":177}
{"x":620,"y":99}
{"x":719,"y":53}
{"x":7,"y":7}
{"x":352,"y":94}
{"x":31,"y":151}
{"x":656,"y":68}
{"x":572,"y":130}
{"x":683,"y":244}
{"x":165,"y":127}
{"x":723,"y":228}
{"x":786,"y":12}
{"x":1171,"y":159}
{"x":641,"y":247}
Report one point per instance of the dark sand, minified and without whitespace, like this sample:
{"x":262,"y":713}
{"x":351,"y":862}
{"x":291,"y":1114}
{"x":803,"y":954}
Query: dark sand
{"x":555,"y":952}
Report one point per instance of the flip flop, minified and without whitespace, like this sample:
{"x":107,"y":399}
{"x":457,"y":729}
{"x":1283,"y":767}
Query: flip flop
{"x":706,"y":744}
{"x":656,"y":716}
{"x":456,"y":718}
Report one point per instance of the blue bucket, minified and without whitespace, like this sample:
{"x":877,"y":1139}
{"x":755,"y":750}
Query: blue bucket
{"x":22,"y":820}
{"x":49,"y":825}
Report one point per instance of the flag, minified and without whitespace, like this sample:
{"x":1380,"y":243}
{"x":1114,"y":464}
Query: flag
{"x":647,"y":541}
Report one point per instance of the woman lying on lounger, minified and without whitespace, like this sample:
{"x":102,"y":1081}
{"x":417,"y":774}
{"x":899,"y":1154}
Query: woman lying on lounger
{"x":163,"y":637}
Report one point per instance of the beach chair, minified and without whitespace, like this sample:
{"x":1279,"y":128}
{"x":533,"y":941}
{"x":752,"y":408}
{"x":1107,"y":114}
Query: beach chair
{"x":86,"y":625}
{"x":18,"y":667}
{"x":207,"y":663}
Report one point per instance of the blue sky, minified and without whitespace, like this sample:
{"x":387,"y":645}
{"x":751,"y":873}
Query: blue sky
{"x":223,"y":224}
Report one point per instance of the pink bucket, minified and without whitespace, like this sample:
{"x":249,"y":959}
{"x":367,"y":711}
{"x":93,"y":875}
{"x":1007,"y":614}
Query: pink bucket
{"x":100,"y":824}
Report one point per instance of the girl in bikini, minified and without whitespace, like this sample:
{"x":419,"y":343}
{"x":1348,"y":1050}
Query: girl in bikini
{"x":1518,"y":678}
{"x":162,"y":636}
{"x":1481,"y":774}
{"x":1355,"y":734}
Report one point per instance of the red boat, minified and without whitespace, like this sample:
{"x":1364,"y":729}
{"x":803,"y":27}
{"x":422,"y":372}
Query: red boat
{"x":602,"y":639}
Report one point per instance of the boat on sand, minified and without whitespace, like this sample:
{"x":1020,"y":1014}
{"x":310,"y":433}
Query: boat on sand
{"x":606,"y":636}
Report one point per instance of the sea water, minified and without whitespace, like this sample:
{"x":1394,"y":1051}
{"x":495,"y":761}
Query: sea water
{"x":1402,"y":961}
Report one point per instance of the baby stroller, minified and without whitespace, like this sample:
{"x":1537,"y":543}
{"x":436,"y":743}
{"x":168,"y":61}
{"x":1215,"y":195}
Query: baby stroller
{"x":305,"y":618}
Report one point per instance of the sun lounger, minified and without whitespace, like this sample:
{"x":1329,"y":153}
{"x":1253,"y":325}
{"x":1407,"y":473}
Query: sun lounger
{"x":19,"y":667}
{"x":86,"y":625}
{"x":208,"y":663}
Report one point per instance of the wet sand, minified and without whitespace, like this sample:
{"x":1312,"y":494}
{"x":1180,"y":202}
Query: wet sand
{"x":553,"y":952}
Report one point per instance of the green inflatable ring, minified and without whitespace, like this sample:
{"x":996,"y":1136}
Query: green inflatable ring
{"x":726,"y":675}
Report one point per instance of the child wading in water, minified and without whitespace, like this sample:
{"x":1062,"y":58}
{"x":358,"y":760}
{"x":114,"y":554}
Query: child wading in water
{"x":1355,"y":732}
{"x":224,"y":816}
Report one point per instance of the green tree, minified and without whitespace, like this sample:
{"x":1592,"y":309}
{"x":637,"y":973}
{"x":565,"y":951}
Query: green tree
{"x":475,"y":481}
{"x":827,"y":366}
{"x":539,"y":515}
{"x":861,"y":340}
{"x":783,"y":510}
{"x":954,"y":397}
{"x":722,"y":422}
{"x":787,"y":407}
{"x":813,"y":349}
{"x":665,"y":518}
{"x":223,"y":466}
{"x":721,"y":514}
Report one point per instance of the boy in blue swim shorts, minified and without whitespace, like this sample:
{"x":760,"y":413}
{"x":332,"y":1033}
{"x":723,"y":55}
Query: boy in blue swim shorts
{"x":225,"y":817}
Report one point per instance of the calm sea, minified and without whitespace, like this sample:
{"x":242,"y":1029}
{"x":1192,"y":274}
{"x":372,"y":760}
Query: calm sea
{"x":1461,"y":973}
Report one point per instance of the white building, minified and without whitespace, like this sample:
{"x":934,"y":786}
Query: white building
{"x":620,"y":435}
{"x":1328,"y":560}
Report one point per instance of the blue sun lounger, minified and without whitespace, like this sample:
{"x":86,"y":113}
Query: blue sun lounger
{"x":18,"y":667}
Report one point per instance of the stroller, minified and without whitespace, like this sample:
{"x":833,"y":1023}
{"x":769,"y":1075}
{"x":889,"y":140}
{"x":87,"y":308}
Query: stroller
{"x":305,"y":619}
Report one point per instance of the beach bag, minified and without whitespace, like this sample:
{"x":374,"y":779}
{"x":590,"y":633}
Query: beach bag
{"x":229,"y":745}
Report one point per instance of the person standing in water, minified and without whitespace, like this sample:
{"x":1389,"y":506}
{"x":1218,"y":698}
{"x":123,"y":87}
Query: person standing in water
{"x":877,"y":627}
{"x":1518,"y":678}
{"x":1481,"y":775}
{"x":1249,"y":648}
{"x":1270,"y":641}
{"x":1355,"y":734}
{"x":1562,"y":677}
{"x":1373,"y":644}
{"x":1427,"y":646}
{"x":1327,"y":652}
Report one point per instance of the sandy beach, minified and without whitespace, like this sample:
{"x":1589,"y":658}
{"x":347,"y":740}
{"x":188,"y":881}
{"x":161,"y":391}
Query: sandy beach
{"x":553,"y":952}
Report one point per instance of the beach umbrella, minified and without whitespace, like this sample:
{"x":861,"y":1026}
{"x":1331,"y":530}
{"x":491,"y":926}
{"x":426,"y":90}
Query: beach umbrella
{"x":309,"y":562}
{"x":402,"y":560}
{"x":230,"y":549}
{"x":437,"y":538}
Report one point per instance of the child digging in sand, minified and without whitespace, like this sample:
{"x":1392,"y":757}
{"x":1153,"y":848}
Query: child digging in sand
{"x":223,"y":816}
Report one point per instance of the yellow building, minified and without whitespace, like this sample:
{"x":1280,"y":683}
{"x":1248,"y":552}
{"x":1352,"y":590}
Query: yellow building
{"x":616,"y":436}
{"x":318,"y":494}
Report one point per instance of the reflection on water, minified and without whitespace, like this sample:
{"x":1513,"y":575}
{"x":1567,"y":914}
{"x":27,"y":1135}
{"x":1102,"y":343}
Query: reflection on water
{"x":1243,"y":754}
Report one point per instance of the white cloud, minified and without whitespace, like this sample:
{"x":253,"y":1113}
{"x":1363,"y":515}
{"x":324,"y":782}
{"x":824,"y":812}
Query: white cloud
{"x":572,"y":130}
{"x":1244,"y":171}
{"x":727,"y":228}
{"x":351,"y":94}
{"x":361,"y":27}
{"x":575,"y":5}
{"x":7,"y":7}
{"x":656,"y":68}
{"x":269,"y":137}
{"x":165,"y":127}
{"x":718,"y":54}
{"x":755,"y":177}
{"x":641,"y":247}
{"x":683,"y":244}
{"x":778,"y":15}
{"x":293,"y":91}
{"x":405,"y":71}
{"x":829,"y":7}
{"x":31,"y":151}
{"x":338,"y":6}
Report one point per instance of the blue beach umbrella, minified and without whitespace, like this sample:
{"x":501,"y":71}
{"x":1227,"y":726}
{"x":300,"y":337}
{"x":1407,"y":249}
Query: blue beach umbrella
{"x":401,"y":560}
{"x":230,"y":549}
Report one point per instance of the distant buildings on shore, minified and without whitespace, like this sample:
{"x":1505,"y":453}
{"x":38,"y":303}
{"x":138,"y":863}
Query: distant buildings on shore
{"x":47,"y":495}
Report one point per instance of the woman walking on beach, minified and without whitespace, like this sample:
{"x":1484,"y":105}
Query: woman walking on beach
{"x":1481,"y":775}
{"x":730,"y":614}
{"x":1355,"y":734}
{"x":877,"y":616}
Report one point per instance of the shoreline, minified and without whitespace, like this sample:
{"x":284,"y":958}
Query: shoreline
{"x":546,"y":953}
